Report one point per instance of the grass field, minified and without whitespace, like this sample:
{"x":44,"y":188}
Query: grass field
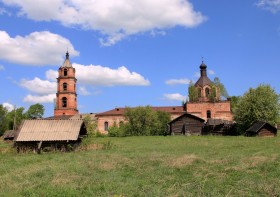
{"x":147,"y":166}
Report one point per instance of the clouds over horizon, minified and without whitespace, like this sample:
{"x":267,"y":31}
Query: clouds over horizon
{"x":271,"y":5}
{"x":36,"y":49}
{"x":177,"y":81}
{"x":174,"y":97}
{"x":130,"y":17}
{"x":43,"y":91}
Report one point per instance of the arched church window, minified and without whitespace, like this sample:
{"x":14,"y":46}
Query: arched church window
{"x":64,"y":102}
{"x":208,"y":114}
{"x":207,"y":92}
{"x":65,"y":72}
{"x":106,"y":126}
{"x":64,"y":86}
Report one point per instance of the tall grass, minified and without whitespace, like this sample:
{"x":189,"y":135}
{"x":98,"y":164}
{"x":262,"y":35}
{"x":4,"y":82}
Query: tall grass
{"x":148,"y":166}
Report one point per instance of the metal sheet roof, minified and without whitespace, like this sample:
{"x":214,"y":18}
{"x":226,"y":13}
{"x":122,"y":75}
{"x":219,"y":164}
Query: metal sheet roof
{"x":49,"y":130}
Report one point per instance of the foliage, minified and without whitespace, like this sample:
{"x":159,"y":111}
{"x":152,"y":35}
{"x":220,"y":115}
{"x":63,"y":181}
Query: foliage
{"x":148,"y":166}
{"x":193,"y":92}
{"x":233,"y":102}
{"x":117,"y":131}
{"x":15,"y":118}
{"x":145,"y":121}
{"x":3,"y":119}
{"x":213,"y":93}
{"x":261,"y":103}
{"x":221,"y":87}
{"x":35,"y":111}
{"x":91,"y":125}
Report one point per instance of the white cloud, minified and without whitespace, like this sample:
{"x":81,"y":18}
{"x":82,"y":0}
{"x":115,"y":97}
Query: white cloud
{"x":2,"y":67}
{"x":8,"y":106}
{"x":174,"y":97}
{"x":105,"y":76}
{"x":39,"y":86}
{"x":177,"y":81}
{"x":37,"y":48}
{"x":115,"y":19}
{"x":271,"y":5}
{"x":83,"y":91}
{"x":49,"y":98}
{"x":211,"y":72}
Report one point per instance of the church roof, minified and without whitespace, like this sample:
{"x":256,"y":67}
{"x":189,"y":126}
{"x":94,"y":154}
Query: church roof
{"x":121,"y":111}
{"x":67,"y":63}
{"x":203,"y":80}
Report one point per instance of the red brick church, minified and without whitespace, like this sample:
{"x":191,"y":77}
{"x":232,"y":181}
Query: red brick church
{"x":204,"y":107}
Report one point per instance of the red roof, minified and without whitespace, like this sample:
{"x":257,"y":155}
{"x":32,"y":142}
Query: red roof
{"x":119,"y":111}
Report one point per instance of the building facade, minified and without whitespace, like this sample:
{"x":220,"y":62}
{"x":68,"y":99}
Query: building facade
{"x":66,"y":96}
{"x":208,"y":103}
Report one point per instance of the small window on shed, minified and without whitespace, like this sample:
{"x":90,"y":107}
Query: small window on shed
{"x":106,"y":126}
{"x":65,"y":72}
{"x":208,"y":114}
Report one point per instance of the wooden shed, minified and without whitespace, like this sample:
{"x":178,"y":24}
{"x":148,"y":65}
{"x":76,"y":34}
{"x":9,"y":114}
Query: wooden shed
{"x":49,"y":134}
{"x":262,"y":129}
{"x":186,"y":124}
{"x":219,"y":127}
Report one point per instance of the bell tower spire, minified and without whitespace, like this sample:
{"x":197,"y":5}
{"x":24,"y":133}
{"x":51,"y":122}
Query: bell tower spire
{"x":66,"y":96}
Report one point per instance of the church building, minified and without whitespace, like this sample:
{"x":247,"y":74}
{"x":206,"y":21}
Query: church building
{"x":66,"y":96}
{"x":208,"y":103}
{"x":204,"y":107}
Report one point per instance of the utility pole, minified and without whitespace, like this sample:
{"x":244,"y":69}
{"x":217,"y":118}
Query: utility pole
{"x":15,"y":118}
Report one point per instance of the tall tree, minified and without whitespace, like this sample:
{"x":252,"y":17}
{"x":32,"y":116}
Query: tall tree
{"x":3,"y":119}
{"x":261,"y":103}
{"x":35,"y":111}
{"x":193,"y":92}
{"x":222,"y":89}
{"x":15,"y":118}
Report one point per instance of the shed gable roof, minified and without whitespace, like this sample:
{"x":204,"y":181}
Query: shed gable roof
{"x":49,"y":130}
{"x":121,"y":111}
{"x":188,"y":115}
{"x":258,"y":125}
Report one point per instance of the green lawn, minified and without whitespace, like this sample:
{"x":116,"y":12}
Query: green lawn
{"x":148,"y":166}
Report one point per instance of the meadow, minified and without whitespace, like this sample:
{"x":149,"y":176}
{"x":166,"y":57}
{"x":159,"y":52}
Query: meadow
{"x":147,"y":166}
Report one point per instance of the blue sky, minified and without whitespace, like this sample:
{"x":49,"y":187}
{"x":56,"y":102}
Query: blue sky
{"x":140,"y":52}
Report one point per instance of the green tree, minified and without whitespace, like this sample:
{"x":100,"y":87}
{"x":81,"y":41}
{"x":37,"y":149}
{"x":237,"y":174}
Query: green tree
{"x":35,"y":111}
{"x":233,"y":102}
{"x":193,"y":92}
{"x":145,"y":121}
{"x":261,"y":103}
{"x":213,"y":93}
{"x":15,"y":118}
{"x":221,"y":87}
{"x":3,"y":119}
{"x":91,"y":125}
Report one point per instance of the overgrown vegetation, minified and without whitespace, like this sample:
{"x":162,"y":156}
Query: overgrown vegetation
{"x":12,"y":120}
{"x":148,"y":166}
{"x":261,"y":103}
{"x":141,"y":121}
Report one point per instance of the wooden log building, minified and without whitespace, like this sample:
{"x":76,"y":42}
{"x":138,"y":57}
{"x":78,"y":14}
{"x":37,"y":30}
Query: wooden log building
{"x":261,"y":129}
{"x":37,"y":135}
{"x":186,"y":124}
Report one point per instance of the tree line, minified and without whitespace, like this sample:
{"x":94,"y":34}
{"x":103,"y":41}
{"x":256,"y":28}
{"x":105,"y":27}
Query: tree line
{"x":11,"y":120}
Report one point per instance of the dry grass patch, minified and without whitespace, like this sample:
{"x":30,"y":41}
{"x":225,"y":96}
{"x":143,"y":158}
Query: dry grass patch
{"x":182,"y":161}
{"x":257,"y":160}
{"x":64,"y":179}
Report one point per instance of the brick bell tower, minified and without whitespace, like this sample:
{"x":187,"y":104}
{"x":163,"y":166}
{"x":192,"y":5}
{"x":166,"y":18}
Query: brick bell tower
{"x":66,"y":96}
